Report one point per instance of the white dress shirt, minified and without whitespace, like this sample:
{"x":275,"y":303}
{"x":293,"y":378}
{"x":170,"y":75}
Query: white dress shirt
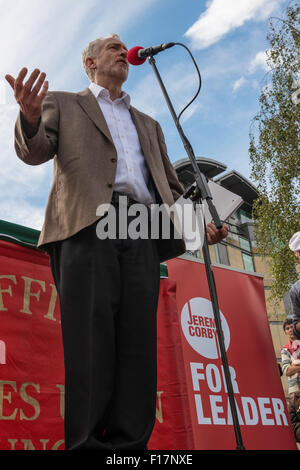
{"x":132,"y":176}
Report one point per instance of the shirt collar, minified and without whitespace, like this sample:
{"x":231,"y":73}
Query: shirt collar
{"x":99,"y":90}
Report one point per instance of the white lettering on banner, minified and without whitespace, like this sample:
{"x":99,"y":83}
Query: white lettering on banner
{"x":280,"y":416}
{"x":265,"y":411}
{"x":216,"y":409}
{"x":213,"y":378}
{"x":229,"y":419}
{"x":199,"y":329}
{"x":197,"y":376}
{"x":200,"y":415}
{"x":251,"y":411}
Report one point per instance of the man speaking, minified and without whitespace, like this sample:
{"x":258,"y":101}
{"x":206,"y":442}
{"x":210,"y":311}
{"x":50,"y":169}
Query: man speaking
{"x":102,"y":147}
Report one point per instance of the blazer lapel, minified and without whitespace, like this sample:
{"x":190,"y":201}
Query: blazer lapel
{"x":89,"y":104}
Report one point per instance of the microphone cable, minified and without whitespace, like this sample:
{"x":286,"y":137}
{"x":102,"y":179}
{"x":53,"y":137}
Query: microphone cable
{"x":199,"y":76}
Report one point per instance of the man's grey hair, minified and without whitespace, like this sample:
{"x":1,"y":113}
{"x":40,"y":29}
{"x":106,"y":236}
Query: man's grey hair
{"x":92,"y":50}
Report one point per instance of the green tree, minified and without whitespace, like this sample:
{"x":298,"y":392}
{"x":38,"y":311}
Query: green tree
{"x":274,"y":152}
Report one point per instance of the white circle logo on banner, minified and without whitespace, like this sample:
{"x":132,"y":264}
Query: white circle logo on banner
{"x":198,"y":326}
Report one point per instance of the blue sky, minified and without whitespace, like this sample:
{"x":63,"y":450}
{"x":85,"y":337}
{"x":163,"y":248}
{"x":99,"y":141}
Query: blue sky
{"x":226,"y":37}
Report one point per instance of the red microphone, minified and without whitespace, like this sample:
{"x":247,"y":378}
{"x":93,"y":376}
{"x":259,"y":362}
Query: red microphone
{"x":133,"y":57}
{"x":137,"y":55}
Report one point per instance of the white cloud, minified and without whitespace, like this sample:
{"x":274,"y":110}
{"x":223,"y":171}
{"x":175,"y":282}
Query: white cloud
{"x":52,"y":34}
{"x":19,"y":211}
{"x":238,"y":84}
{"x":259,"y":62}
{"x":223,"y":16}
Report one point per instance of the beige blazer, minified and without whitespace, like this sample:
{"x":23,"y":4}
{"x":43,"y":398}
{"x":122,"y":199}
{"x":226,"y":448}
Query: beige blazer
{"x":74,"y":133}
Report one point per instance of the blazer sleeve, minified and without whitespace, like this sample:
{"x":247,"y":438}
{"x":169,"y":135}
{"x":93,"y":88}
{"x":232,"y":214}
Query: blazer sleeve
{"x":175,"y":186}
{"x":43,"y":146}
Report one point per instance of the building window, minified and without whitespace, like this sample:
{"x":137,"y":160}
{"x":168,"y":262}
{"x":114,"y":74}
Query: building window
{"x":221,"y":254}
{"x":248,"y":262}
{"x":244,"y":217}
{"x":217,"y":254}
{"x":244,"y":244}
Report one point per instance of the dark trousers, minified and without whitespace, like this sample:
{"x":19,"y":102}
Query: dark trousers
{"x":108,"y":292}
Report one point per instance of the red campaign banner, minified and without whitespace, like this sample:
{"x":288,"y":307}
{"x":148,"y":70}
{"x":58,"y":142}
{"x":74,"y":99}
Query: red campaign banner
{"x":31,"y":359}
{"x":192,"y":408}
{"x":31,"y":368}
{"x":261,"y":405}
{"x":173,"y":427}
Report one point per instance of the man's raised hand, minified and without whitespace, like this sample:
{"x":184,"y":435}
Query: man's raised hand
{"x":30,"y":95}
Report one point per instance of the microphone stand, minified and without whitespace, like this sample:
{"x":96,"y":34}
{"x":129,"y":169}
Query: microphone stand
{"x":203,"y":192}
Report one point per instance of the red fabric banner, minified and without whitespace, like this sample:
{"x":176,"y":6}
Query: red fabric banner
{"x":31,"y":359}
{"x":192,"y":408}
{"x":173,"y":428}
{"x":32,"y":371}
{"x":261,"y":405}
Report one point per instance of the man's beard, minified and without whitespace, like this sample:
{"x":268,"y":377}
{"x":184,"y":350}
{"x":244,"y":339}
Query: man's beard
{"x":121,"y":73}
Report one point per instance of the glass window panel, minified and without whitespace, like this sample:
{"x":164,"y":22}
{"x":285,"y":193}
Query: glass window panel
{"x":223,"y":255}
{"x":217,"y":254}
{"x":248,"y":262}
{"x":244,"y":244}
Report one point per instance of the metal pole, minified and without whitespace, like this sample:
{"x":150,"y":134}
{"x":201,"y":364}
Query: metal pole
{"x":205,"y":194}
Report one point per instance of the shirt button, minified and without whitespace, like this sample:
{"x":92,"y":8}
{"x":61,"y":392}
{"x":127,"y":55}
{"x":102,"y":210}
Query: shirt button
{"x":109,"y":185}
{"x":113,"y":160}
